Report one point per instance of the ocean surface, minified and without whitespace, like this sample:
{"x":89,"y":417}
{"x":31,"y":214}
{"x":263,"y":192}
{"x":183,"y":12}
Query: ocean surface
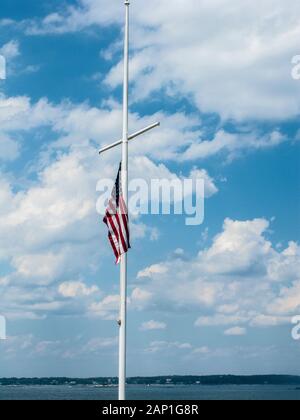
{"x":138,"y":392}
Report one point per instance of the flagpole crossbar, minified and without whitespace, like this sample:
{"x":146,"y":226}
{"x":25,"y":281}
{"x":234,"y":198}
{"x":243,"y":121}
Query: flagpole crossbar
{"x":131,"y":137}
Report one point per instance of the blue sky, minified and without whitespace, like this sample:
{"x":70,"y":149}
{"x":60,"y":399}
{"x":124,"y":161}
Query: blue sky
{"x":217,"y":298}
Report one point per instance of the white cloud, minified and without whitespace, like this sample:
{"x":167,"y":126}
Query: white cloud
{"x":43,"y":266}
{"x":288,"y":301}
{"x":201,"y":350}
{"x":162,"y":346}
{"x":210,"y":187}
{"x":13,"y":344}
{"x":73,"y":289}
{"x":19,"y":113}
{"x":151,"y":171}
{"x":7,"y":22}
{"x":261,"y":320}
{"x":51,"y":209}
{"x":89,"y":12}
{"x":139,"y":297}
{"x":235,"y":331}
{"x":29,"y":347}
{"x":76,"y":124}
{"x":232,"y":144}
{"x":47,"y":347}
{"x":153,"y":325}
{"x":107,"y":308}
{"x":152,"y":270}
{"x":96,"y":345}
{"x":240,"y":248}
{"x":62,"y":215}
{"x":221,"y":320}
{"x":241,"y":279}
{"x":48,"y":227}
{"x":10,"y":50}
{"x":240,"y":71}
{"x":9,"y":148}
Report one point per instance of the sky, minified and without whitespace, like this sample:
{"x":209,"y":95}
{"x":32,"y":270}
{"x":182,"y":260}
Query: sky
{"x":217,"y":298}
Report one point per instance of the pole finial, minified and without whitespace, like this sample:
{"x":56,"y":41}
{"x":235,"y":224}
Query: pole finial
{"x":127,"y":2}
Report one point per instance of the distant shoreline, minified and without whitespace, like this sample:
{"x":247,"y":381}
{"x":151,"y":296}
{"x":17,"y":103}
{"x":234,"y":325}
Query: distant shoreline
{"x":158,"y":380}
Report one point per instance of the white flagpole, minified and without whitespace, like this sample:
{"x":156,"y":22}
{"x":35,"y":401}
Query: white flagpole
{"x":124,"y":181}
{"x":124,"y":177}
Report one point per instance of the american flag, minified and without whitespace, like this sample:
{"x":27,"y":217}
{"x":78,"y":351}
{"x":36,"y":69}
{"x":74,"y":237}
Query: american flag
{"x":116,"y":219}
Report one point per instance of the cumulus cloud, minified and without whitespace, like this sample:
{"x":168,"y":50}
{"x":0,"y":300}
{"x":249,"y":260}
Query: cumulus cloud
{"x":10,"y":50}
{"x":152,"y":270}
{"x":162,"y":346}
{"x":232,"y":145}
{"x":9,"y":148}
{"x":140,"y":297}
{"x":88,"y":13}
{"x":235,"y":331}
{"x":233,"y":283}
{"x":76,"y":289}
{"x":29,"y":347}
{"x":201,"y":351}
{"x":107,"y":308}
{"x":96,"y":345}
{"x":48,"y":226}
{"x":241,"y":70}
{"x":62,"y":214}
{"x":49,"y":236}
{"x":77,"y":124}
{"x":288,"y":301}
{"x":153,"y":325}
{"x":42,"y":266}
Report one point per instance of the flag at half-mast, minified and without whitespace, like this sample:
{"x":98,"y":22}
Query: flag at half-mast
{"x":116,"y":219}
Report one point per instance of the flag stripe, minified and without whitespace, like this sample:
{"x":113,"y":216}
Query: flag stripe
{"x":113,"y":245}
{"x":121,"y":233}
{"x":112,"y":227}
{"x":113,"y":237}
{"x":125,"y":219}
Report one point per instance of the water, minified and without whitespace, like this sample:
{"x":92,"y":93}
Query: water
{"x":139,"y":392}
